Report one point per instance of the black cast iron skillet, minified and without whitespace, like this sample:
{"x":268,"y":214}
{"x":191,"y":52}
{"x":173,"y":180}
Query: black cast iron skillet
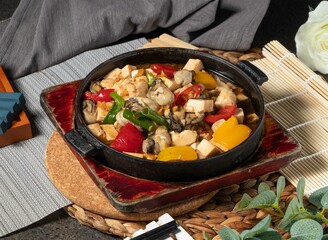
{"x":243,"y":74}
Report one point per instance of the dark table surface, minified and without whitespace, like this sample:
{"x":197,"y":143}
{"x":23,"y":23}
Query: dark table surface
{"x":281,"y":22}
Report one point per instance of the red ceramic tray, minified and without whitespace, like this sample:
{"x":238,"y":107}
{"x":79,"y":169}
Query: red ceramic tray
{"x":130,"y":194}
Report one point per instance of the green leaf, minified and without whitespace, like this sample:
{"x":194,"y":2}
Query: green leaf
{"x":259,"y":228}
{"x":243,"y":203}
{"x":242,"y":235}
{"x":281,"y":183}
{"x":325,"y":237}
{"x":205,"y":236}
{"x":300,"y":190}
{"x":324,"y":200}
{"x":306,"y":229}
{"x":263,"y":200}
{"x":263,"y":187}
{"x":292,"y":211}
{"x":228,"y":234}
{"x":315,"y":197}
{"x":269,"y":235}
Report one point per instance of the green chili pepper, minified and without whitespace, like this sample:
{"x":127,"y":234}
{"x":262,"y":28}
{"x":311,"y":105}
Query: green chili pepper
{"x":147,"y":112}
{"x":150,"y":77}
{"x":118,"y":99}
{"x":139,"y":120}
{"x":117,"y":106}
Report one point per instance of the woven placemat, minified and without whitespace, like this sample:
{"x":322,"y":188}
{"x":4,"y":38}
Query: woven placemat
{"x":212,"y":216}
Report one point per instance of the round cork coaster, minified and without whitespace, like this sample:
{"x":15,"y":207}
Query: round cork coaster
{"x":70,"y":178}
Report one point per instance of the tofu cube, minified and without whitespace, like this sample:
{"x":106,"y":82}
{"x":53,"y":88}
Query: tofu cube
{"x":199,"y":105}
{"x":110,"y":132}
{"x":137,"y":72}
{"x":206,"y":148}
{"x":172,"y":85}
{"x":114,"y":74}
{"x":102,"y":110}
{"x":126,"y":71}
{"x":239,"y":114}
{"x":194,"y":65}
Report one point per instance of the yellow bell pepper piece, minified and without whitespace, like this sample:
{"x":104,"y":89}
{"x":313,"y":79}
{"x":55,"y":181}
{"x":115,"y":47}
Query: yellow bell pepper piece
{"x":230,"y":134}
{"x":206,"y":79}
{"x":184,"y":153}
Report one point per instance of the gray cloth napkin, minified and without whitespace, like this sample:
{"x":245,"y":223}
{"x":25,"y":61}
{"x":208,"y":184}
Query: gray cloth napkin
{"x":26,"y":193}
{"x":44,"y":33}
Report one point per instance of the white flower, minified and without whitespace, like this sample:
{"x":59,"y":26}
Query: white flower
{"x":312,"y":39}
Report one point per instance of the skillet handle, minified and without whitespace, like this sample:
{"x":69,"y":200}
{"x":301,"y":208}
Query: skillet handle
{"x":79,"y":141}
{"x":256,"y":74}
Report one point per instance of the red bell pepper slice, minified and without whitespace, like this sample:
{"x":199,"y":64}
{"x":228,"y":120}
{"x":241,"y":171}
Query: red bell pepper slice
{"x":129,"y":139}
{"x":101,"y":96}
{"x":167,"y":69}
{"x":224,"y":113}
{"x":191,"y":92}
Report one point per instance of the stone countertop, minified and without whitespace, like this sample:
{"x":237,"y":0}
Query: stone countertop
{"x":280,"y":23}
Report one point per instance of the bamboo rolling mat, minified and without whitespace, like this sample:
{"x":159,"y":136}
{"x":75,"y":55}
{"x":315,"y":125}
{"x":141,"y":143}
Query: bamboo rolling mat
{"x":298,"y":99}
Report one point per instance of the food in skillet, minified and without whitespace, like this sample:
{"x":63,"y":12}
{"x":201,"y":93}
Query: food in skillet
{"x":168,"y":112}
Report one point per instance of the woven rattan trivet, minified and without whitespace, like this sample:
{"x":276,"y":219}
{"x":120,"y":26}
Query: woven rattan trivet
{"x":71,"y":179}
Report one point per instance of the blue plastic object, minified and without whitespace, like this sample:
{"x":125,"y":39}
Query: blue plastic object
{"x":11,"y":104}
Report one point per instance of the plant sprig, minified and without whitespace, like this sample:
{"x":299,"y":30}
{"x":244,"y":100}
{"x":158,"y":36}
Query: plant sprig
{"x":301,"y":221}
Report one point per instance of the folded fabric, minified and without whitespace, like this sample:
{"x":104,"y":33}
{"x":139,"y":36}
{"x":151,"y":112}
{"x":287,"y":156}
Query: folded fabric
{"x":44,"y":33}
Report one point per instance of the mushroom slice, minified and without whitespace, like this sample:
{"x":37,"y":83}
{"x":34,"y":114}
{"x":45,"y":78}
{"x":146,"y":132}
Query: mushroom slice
{"x":175,"y":124}
{"x":183,"y":76}
{"x":134,"y":104}
{"x":162,"y":138}
{"x":226,"y":98}
{"x":89,"y":110}
{"x":199,"y":105}
{"x":157,"y":142}
{"x":185,"y":138}
{"x":148,"y":145}
{"x":160,"y":93}
{"x":138,"y":103}
{"x":193,"y":118}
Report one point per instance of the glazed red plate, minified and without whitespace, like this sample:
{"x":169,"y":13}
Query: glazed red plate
{"x":131,"y":194}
